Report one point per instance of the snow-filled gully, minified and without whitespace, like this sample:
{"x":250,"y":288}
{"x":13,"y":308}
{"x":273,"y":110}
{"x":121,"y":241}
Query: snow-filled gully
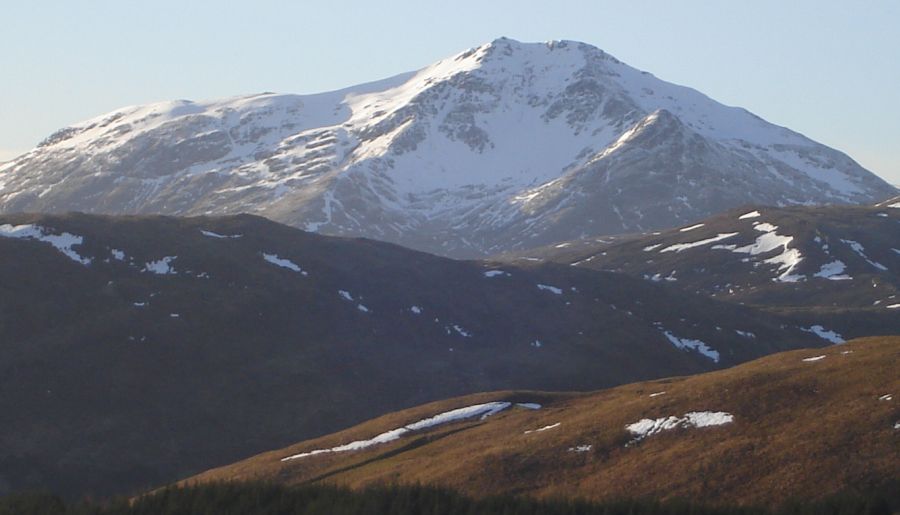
{"x":478,"y":410}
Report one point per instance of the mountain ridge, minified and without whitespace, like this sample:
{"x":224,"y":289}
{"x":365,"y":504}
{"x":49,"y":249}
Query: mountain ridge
{"x":841,"y":257}
{"x":504,"y":146}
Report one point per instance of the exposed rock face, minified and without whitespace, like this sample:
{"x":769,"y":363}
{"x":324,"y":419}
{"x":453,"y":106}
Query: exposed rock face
{"x":502,"y":147}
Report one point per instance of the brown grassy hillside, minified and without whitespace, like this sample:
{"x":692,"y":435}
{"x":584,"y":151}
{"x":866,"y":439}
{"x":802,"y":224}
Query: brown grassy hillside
{"x":801,"y":429}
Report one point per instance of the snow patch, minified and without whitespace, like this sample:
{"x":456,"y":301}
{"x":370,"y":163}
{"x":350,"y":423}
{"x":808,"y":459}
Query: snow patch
{"x":649,"y":427}
{"x":678,"y":247}
{"x":542,"y":429}
{"x":581,"y":448}
{"x":787,"y":261}
{"x":416,"y":310}
{"x":695,"y":345}
{"x":833,"y":271}
{"x":495,"y":273}
{"x":691,"y":228}
{"x":657,"y":277}
{"x":283,"y":263}
{"x":479,"y":410}
{"x":825,"y":334}
{"x":648,"y":248}
{"x":549,"y":288}
{"x":62,"y":242}
{"x":657,"y":394}
{"x":858,"y":248}
{"x":459,"y":330}
{"x":814,"y":358}
{"x":117,"y":254}
{"x":162,"y":266}
{"x":886,"y":397}
{"x":751,"y":214}
{"x":220,"y":236}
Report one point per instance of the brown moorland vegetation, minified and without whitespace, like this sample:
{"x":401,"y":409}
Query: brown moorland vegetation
{"x":802,"y":429}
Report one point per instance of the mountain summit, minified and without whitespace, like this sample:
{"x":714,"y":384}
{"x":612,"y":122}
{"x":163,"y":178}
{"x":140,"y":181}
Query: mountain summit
{"x":504,"y":146}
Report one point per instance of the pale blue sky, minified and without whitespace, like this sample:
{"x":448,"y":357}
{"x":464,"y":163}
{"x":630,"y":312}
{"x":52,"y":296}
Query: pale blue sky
{"x":828,"y":69}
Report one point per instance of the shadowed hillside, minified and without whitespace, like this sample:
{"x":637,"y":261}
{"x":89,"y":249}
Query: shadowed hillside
{"x":137,"y":350}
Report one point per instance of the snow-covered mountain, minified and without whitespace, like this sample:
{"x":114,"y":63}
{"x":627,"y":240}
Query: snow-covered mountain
{"x":504,"y":146}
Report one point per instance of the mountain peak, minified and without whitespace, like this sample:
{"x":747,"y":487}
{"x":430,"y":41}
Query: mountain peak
{"x":504,"y":48}
{"x":553,"y":44}
{"x":659,"y":127}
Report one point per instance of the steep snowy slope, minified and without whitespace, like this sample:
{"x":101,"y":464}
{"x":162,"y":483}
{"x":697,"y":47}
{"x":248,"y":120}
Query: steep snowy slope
{"x":504,"y":146}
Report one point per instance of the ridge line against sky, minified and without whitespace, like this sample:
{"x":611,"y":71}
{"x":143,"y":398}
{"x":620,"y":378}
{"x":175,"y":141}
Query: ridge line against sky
{"x":828,"y":69}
